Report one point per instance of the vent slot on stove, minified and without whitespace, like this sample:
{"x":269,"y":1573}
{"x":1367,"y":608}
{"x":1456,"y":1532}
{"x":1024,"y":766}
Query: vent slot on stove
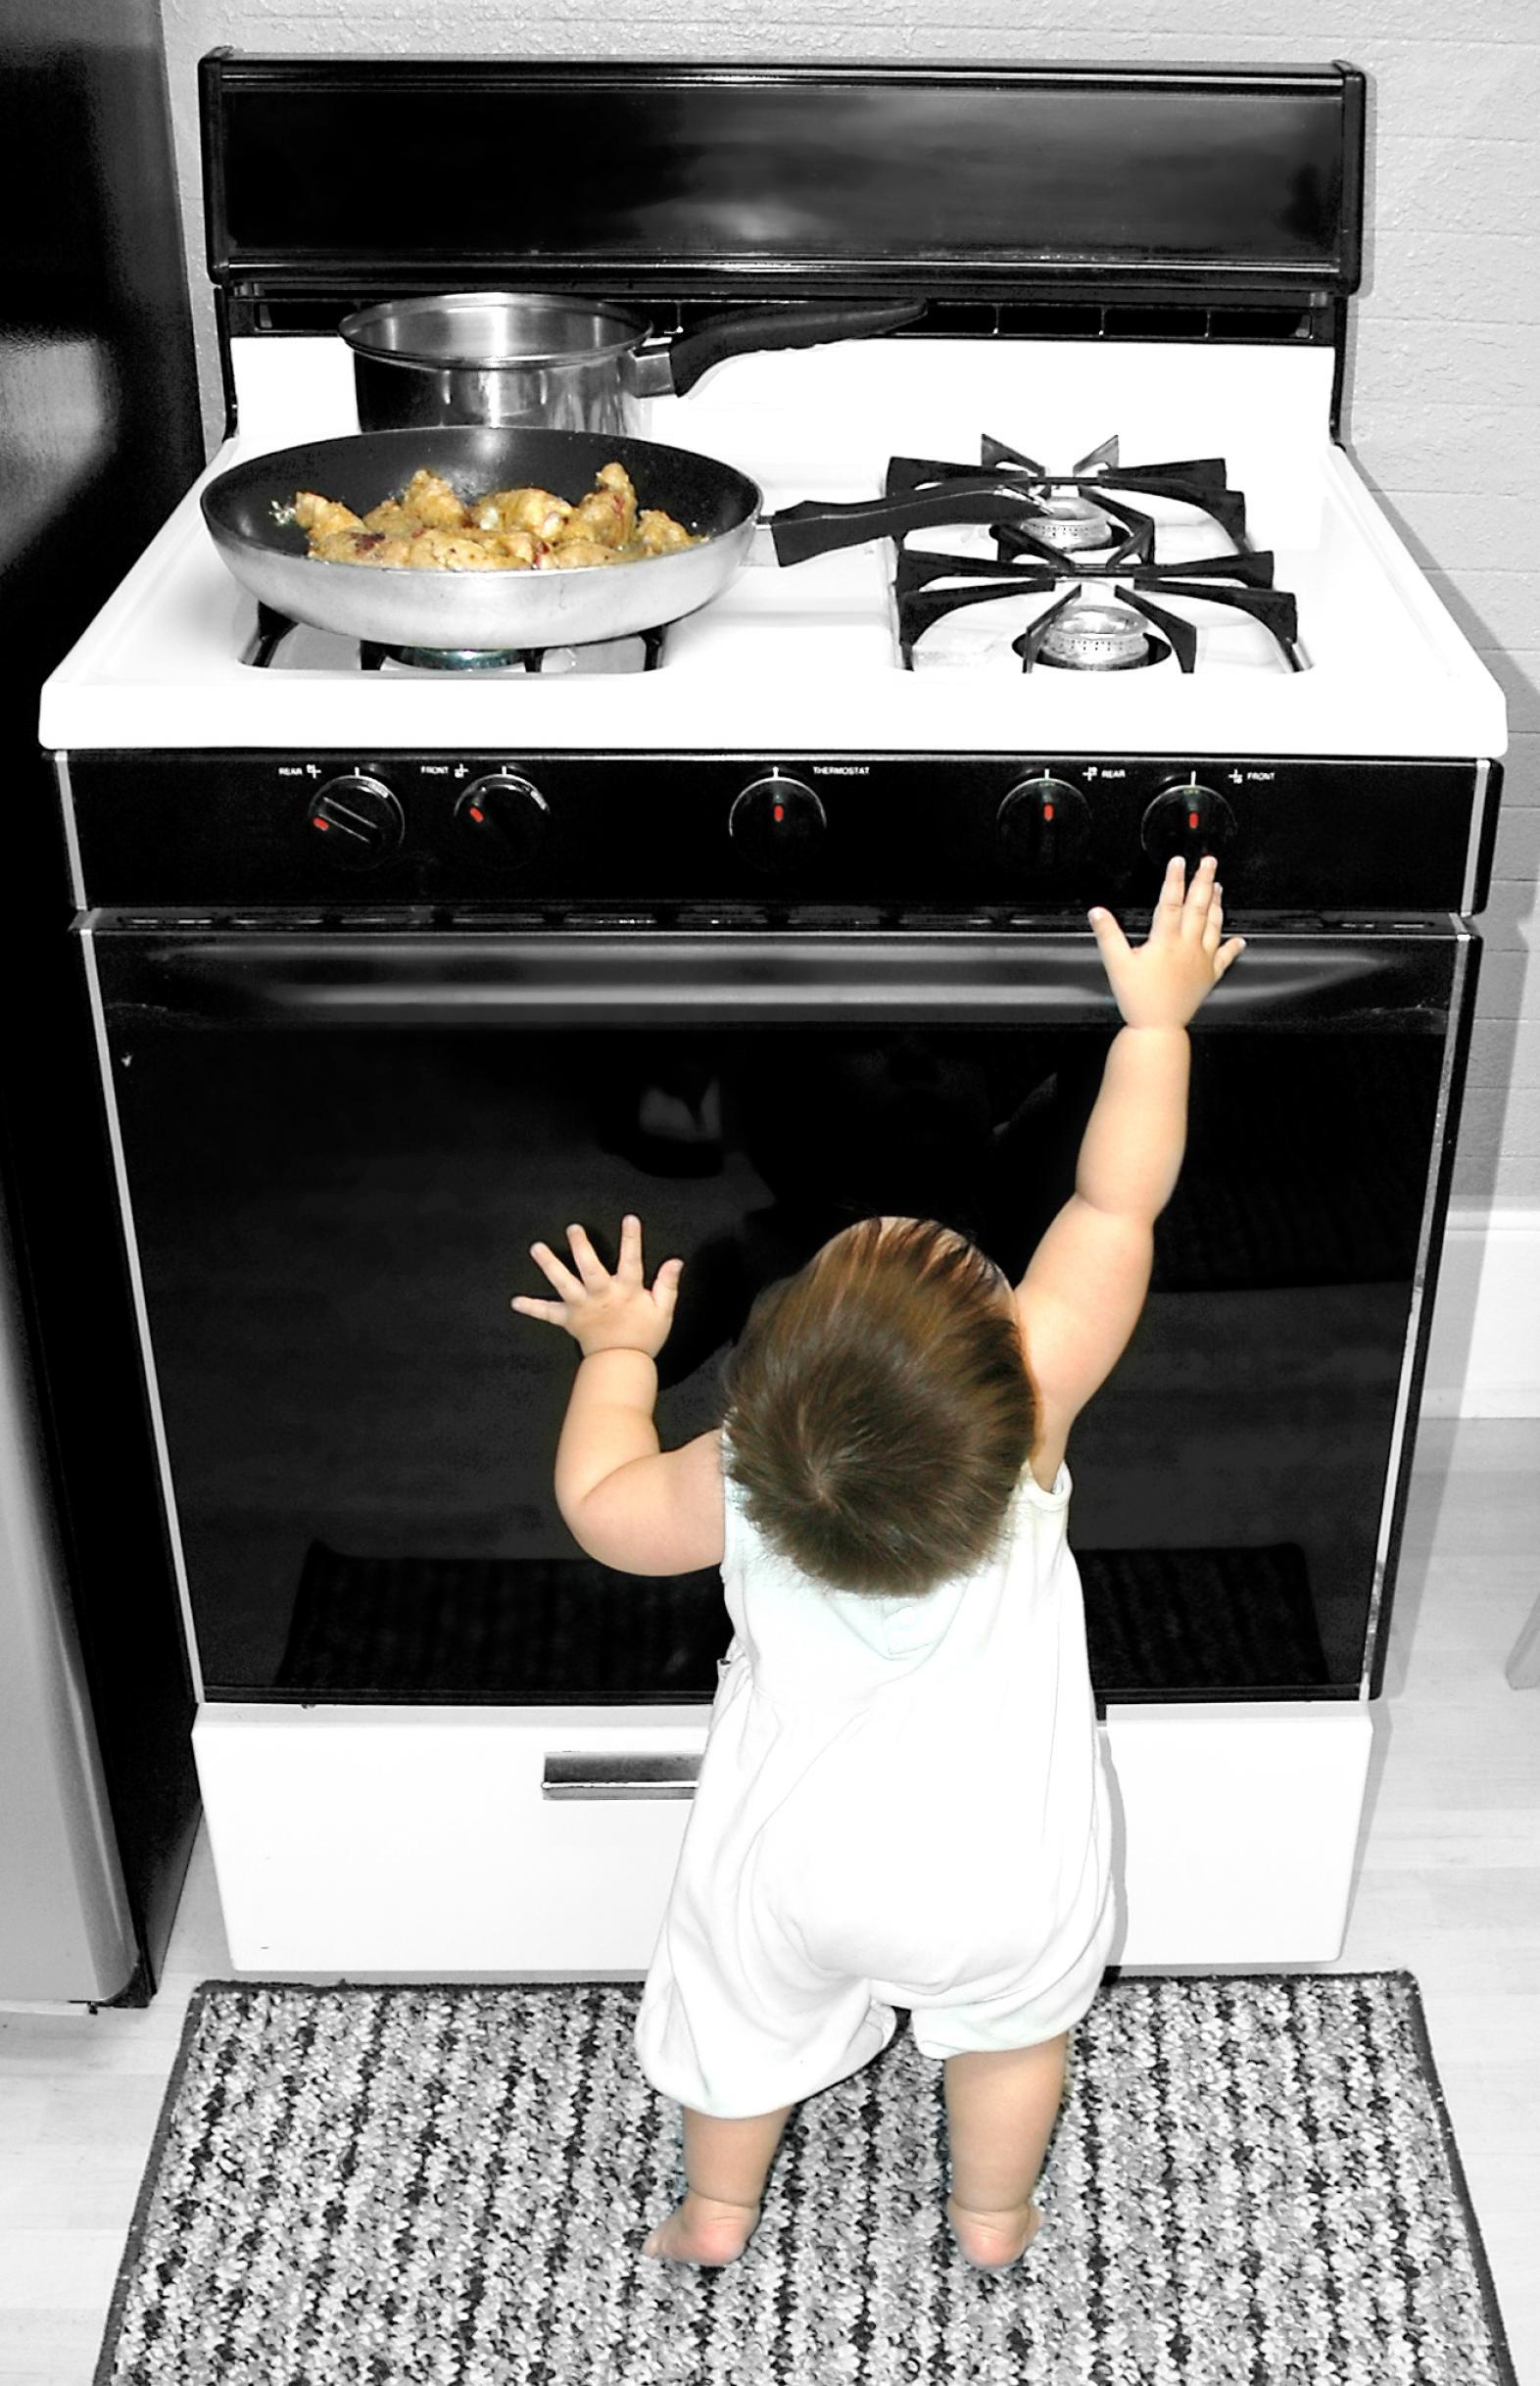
{"x":1048,"y":320}
{"x":258,"y":307}
{"x":251,"y":311}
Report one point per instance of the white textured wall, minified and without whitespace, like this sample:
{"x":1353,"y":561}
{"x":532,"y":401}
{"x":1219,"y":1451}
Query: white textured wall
{"x":1441,"y":410}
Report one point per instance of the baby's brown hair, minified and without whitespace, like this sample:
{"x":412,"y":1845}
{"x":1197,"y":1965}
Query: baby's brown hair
{"x":879,"y":1409}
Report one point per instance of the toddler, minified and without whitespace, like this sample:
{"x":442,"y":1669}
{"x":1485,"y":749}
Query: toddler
{"x":900,"y":1801}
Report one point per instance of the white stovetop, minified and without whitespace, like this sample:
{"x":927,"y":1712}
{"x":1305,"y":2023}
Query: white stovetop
{"x":805,"y":661}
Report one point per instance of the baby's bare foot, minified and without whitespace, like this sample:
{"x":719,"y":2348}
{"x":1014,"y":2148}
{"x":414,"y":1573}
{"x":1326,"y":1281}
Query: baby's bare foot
{"x":993,"y":2240}
{"x":704,"y":2231}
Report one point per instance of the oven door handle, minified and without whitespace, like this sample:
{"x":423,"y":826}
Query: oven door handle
{"x":449,"y":978}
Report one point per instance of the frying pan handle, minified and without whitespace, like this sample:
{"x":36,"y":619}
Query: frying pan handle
{"x":745,"y":330}
{"x":804,"y":531}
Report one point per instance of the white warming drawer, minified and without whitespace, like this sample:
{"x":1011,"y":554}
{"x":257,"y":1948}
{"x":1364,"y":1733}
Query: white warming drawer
{"x":482,"y":1841}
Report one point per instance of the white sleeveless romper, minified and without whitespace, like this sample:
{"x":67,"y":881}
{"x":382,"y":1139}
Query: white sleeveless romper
{"x":901,"y":1802}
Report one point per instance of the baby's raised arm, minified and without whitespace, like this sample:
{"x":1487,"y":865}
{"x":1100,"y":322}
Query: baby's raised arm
{"x":1080,"y":1298}
{"x":624,"y":1499}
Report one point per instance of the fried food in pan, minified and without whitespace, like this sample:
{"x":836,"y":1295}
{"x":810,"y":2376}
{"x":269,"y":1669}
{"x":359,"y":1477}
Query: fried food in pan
{"x":429,"y":528}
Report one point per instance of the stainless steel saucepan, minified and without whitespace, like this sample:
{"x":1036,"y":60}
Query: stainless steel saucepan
{"x":490,"y":611}
{"x":517,"y":357}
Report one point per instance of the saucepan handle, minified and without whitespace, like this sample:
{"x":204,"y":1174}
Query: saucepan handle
{"x":745,"y":330}
{"x":806,"y":530}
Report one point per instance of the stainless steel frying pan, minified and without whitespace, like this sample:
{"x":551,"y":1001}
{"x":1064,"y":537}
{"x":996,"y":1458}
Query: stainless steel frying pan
{"x":487,"y":610}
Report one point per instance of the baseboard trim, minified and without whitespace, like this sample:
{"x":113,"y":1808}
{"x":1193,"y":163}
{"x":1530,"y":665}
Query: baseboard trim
{"x":1484,"y":1351}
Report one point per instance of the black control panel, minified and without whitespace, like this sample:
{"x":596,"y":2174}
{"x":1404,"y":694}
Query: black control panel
{"x":651,"y":834}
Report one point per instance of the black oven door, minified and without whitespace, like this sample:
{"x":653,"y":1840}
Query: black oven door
{"x":337,"y":1147}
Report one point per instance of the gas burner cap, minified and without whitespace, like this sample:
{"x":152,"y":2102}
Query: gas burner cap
{"x":1070,"y":521}
{"x":1100,"y":635}
{"x":452,"y":659}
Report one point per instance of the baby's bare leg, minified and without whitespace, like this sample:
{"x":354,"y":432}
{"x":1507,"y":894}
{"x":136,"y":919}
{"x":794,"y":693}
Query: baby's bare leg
{"x":1000,"y":2112}
{"x":726,"y":2164}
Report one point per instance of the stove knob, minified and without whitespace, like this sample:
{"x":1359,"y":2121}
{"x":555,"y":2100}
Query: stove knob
{"x":502,"y":818}
{"x":778,"y":822}
{"x":355,"y":822}
{"x":1191,"y":821}
{"x":1044,"y":827}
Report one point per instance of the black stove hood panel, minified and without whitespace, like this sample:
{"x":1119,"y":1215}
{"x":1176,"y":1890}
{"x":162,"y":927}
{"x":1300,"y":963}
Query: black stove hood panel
{"x":353,"y":174}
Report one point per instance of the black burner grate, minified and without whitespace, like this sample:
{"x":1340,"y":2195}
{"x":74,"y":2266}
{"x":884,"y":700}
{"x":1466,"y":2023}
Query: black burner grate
{"x":929,"y":585}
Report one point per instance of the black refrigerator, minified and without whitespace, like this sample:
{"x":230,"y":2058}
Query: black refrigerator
{"x":99,"y":436}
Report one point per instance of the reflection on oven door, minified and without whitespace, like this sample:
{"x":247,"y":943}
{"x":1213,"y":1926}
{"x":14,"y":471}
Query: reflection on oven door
{"x":362,"y":1433}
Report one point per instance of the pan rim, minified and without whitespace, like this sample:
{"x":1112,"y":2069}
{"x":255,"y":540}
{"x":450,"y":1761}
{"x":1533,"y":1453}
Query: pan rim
{"x":464,"y":571}
{"x":470,"y":572}
{"x":349,"y":331}
{"x":249,"y":468}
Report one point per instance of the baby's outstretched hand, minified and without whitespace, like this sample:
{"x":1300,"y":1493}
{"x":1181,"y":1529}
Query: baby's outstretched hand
{"x":600,"y":1311}
{"x":1163,"y":982}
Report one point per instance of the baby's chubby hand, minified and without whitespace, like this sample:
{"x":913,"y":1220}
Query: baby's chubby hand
{"x":600,"y":1311}
{"x":1163,"y":982}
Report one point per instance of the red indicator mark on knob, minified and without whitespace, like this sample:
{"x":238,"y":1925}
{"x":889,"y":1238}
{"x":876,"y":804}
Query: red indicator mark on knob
{"x":1192,"y":820}
{"x":475,"y":812}
{"x":1047,"y":811}
{"x":780,"y":812}
{"x":318,"y":822}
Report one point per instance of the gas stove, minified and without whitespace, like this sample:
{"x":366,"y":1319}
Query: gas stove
{"x":1302,"y":625}
{"x":773,"y":916}
{"x":1249,"y":660}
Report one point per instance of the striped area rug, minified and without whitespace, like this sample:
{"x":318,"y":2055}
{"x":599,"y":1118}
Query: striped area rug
{"x":1252,"y":2180}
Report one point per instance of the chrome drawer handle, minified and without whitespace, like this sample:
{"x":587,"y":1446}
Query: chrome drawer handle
{"x":626,"y":1775}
